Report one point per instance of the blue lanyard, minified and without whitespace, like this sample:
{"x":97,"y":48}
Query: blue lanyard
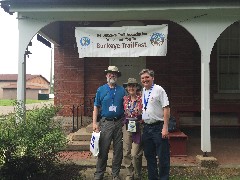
{"x":131,"y":108}
{"x":112,"y":93}
{"x":146,"y":100}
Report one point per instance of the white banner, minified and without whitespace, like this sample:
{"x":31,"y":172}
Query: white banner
{"x":125,"y":41}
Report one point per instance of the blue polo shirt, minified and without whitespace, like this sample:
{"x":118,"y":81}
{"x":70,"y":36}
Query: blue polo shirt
{"x":106,"y":97}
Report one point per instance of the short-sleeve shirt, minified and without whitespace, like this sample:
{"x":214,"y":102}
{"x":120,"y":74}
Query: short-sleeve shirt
{"x":106,"y":97}
{"x":158,"y":99}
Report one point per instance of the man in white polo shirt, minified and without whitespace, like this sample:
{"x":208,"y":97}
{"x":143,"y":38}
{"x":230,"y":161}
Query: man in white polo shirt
{"x":155,"y":114}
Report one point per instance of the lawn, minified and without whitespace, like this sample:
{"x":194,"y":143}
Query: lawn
{"x":77,"y":172}
{"x":10,"y":102}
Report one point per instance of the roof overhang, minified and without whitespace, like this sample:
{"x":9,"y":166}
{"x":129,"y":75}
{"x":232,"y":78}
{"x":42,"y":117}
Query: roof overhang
{"x":112,"y":5}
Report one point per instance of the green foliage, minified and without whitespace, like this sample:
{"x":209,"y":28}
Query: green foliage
{"x":29,"y":146}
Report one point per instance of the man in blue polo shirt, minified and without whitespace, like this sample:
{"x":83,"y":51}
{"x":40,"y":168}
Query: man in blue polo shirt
{"x":109,"y":102}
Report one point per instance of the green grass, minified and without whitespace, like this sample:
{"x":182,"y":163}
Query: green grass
{"x":10,"y":102}
{"x":176,"y":173}
{"x":198,"y":173}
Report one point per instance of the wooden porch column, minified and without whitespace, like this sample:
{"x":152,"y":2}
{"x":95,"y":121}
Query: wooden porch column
{"x":27,"y":29}
{"x":205,"y":103}
{"x":206,"y":30}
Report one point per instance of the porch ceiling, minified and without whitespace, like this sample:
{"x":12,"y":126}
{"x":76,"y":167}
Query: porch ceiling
{"x":114,"y":10}
{"x":115,"y":1}
{"x":124,"y":13}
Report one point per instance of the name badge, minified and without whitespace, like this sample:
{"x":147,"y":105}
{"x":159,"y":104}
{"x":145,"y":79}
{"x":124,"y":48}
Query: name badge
{"x":131,"y":126}
{"x":113,"y":108}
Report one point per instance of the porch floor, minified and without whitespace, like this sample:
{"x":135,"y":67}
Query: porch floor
{"x":225,"y":142}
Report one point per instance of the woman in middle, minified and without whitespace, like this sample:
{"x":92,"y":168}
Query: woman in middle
{"x":132,"y":131}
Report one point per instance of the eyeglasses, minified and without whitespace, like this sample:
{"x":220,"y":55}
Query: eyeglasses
{"x":131,"y":86}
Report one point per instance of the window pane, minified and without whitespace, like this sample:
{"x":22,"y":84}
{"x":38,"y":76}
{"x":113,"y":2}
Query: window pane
{"x":229,"y":82}
{"x":229,"y":59}
{"x":234,"y":65}
{"x":223,"y":65}
{"x":234,"y":47}
{"x":224,"y":46}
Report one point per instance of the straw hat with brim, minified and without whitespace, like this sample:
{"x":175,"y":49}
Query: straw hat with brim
{"x":131,"y":81}
{"x":113,"y":69}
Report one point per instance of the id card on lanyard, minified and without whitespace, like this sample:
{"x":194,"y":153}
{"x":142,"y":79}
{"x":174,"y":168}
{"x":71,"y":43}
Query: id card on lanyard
{"x":113,"y":108}
{"x":131,"y":121}
{"x":112,"y":93}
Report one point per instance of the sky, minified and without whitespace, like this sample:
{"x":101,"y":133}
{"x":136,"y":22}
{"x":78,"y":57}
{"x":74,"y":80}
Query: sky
{"x":38,"y":63}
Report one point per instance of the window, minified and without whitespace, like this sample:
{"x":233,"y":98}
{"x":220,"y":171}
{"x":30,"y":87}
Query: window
{"x":229,"y":60}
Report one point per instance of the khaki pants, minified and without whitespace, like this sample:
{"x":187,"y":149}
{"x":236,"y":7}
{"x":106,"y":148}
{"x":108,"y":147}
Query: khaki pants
{"x":132,"y":155}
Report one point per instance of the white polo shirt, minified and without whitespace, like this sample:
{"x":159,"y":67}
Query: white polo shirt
{"x":157,"y":100}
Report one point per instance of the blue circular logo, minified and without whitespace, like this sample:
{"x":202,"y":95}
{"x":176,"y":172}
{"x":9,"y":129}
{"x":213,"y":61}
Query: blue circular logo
{"x":84,"y":41}
{"x":157,"y":39}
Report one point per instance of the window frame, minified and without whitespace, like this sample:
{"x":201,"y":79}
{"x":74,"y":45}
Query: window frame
{"x":228,"y":37}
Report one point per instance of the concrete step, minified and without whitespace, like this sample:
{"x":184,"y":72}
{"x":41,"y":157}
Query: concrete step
{"x":81,"y":135}
{"x":78,"y":146}
{"x":80,"y":140}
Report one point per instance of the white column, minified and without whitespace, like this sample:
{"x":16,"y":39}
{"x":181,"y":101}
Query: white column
{"x":21,"y":77}
{"x":27,"y":29}
{"x":21,"y":82}
{"x":205,"y":103}
{"x":206,"y":30}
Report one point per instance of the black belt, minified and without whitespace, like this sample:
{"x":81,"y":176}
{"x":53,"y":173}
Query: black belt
{"x":112,"y":119}
{"x":154,"y":124}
